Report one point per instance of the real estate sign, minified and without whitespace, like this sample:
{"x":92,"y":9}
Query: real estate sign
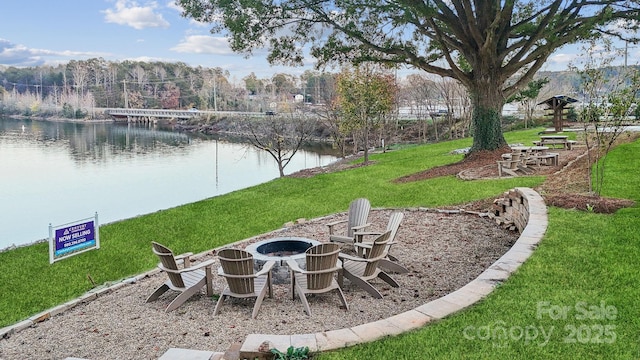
{"x":73,"y":238}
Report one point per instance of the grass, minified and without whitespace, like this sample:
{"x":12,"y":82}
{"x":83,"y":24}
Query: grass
{"x":575,"y":298}
{"x":584,"y":257}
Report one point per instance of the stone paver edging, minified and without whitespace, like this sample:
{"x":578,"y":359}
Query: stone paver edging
{"x":531,"y":209}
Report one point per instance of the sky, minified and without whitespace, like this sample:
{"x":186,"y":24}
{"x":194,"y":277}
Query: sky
{"x":39,"y":32}
{"x":49,"y":32}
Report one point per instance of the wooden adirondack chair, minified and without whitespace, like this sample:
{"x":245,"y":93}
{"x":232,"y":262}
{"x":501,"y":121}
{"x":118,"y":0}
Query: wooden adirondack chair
{"x":321,"y":266}
{"x":187,"y":280}
{"x":361,"y":270}
{"x":389,"y":263}
{"x":242,"y":281}
{"x":357,"y":220}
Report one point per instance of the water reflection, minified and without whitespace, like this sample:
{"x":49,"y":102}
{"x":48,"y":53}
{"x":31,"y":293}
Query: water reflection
{"x":56,"y":172}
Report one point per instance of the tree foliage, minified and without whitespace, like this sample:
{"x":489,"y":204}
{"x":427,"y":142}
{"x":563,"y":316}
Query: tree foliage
{"x":97,"y":83}
{"x":492,"y":47}
{"x":528,"y":97}
{"x":364,"y":98}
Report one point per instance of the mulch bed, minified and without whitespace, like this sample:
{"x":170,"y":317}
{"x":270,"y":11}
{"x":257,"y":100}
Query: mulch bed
{"x":565,"y":187}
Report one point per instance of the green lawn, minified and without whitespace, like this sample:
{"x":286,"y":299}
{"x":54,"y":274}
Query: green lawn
{"x":584,"y":257}
{"x":575,"y":298}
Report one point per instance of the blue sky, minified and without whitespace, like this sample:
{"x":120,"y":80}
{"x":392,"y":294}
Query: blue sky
{"x":37,"y":32}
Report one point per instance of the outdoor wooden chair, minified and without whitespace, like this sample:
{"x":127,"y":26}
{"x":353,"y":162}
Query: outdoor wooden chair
{"x":390,"y":262}
{"x":356,"y":220}
{"x":187,"y":280}
{"x":361,"y":270}
{"x":242,"y":281}
{"x":321,"y":266}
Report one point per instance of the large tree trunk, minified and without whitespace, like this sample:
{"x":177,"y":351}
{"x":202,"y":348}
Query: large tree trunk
{"x":487,"y":101}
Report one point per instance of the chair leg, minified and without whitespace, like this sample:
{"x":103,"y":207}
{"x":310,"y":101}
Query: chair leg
{"x":343,"y":299}
{"x":159,"y":291}
{"x":293,"y":286}
{"x":269,"y":284}
{"x":392,"y":266}
{"x":184,"y":296}
{"x":258,"y":303}
{"x":305,"y":302}
{"x":388,"y":279}
{"x":363,"y":285}
{"x":220,"y":301}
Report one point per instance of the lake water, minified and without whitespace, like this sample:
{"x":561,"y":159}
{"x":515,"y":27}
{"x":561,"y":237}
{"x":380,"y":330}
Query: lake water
{"x":60,"y":172}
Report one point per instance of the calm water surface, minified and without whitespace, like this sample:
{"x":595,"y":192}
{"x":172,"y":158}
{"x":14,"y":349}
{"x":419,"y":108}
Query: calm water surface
{"x":55,"y":173}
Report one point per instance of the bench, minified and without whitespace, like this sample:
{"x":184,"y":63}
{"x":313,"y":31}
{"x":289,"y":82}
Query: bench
{"x":547,"y":159}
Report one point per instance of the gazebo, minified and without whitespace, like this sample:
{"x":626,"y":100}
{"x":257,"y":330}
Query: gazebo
{"x":557,"y":104}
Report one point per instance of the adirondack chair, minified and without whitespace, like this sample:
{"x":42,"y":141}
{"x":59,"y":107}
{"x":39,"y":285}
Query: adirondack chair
{"x":356,"y":220}
{"x":242,"y":281}
{"x":321,"y":266}
{"x":389,"y":263}
{"x":187,"y":280}
{"x":361,"y":270}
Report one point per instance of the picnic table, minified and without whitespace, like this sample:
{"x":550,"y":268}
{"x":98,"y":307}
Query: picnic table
{"x":531,"y":149}
{"x":553,"y":140}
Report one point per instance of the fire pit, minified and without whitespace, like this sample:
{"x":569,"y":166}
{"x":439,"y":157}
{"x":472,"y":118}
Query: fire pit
{"x":280,"y":250}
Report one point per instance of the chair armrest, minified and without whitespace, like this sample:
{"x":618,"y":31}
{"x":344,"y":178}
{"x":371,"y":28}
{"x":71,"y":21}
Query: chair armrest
{"x":365,"y":245}
{"x":334,"y":223}
{"x":366,"y":233}
{"x":293,"y":266}
{"x":198,"y":266}
{"x":360,"y":227}
{"x":184,"y":259}
{"x":181,"y":256}
{"x":343,"y":257}
{"x":266,"y":268}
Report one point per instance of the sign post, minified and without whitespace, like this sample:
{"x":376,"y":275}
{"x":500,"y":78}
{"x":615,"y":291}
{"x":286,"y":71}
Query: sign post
{"x":73,"y":238}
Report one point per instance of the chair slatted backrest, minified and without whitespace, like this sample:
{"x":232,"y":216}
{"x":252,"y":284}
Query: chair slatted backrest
{"x":238,"y":270}
{"x":322,"y":262}
{"x":168,"y":262}
{"x":358,"y":214}
{"x":394,"y":224}
{"x":376,"y":253}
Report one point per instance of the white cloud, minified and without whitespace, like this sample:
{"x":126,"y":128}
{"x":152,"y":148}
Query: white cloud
{"x":173,"y":5}
{"x":203,"y":44}
{"x":19,"y":55}
{"x":560,"y":61}
{"x":129,"y":13}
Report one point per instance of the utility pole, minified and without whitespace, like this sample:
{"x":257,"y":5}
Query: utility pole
{"x":626,"y":52}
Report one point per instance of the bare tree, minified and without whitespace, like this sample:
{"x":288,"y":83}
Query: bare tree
{"x":280,"y":136}
{"x":420,"y":94}
{"x":610,"y":102}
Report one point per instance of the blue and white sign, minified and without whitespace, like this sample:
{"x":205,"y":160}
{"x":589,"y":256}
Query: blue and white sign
{"x":73,"y":238}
